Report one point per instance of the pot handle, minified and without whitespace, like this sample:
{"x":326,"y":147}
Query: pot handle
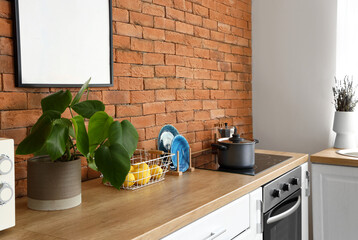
{"x":256,"y":141}
{"x":219,"y":146}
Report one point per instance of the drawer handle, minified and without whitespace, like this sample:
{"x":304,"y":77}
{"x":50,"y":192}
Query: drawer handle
{"x":214,"y":235}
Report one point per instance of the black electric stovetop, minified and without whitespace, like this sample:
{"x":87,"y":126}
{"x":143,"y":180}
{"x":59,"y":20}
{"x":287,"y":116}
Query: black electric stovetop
{"x":208,"y":160}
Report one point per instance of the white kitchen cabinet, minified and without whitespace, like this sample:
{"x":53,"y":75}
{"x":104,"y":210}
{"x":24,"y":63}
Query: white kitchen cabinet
{"x":254,"y":232}
{"x":240,"y":219}
{"x":305,"y":183}
{"x":334,"y":202}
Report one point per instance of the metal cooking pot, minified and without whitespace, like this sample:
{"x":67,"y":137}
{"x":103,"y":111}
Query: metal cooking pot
{"x":236,"y":152}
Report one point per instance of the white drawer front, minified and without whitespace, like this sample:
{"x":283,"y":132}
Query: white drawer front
{"x":224,"y":223}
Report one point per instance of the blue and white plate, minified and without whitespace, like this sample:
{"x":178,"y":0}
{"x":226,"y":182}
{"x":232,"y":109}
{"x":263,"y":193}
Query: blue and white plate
{"x":180,"y":144}
{"x":166,"y":136}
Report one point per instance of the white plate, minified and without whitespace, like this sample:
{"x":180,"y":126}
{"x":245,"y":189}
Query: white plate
{"x":353,"y":152}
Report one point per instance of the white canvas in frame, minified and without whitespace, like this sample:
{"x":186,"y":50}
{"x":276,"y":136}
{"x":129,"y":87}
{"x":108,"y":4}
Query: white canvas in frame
{"x":64,"y":42}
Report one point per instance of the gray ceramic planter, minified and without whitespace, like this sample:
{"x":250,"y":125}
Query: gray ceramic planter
{"x":53,"y":185}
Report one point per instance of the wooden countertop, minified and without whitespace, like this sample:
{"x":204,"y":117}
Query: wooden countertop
{"x":329,"y":156}
{"x":148,"y":213}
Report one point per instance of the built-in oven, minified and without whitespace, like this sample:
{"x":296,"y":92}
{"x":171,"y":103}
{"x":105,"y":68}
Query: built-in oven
{"x":282,"y":207}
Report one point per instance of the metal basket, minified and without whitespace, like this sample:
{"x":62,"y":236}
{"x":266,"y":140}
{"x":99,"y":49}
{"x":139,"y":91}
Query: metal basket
{"x":145,"y":177}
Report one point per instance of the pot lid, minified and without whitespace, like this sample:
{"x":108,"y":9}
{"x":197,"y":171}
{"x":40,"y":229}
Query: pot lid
{"x":235,"y":139}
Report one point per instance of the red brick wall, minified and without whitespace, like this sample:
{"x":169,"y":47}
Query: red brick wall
{"x":180,"y":62}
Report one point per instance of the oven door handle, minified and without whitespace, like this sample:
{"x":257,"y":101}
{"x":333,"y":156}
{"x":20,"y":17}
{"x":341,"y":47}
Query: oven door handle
{"x":286,"y":213}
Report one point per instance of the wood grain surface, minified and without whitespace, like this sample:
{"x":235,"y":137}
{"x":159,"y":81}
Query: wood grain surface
{"x":148,"y":213}
{"x":329,"y":156}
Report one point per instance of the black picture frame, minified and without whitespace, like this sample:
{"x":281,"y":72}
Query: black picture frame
{"x":18,"y":54}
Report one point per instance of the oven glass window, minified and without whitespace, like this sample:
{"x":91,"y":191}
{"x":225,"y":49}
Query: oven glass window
{"x":289,"y":227}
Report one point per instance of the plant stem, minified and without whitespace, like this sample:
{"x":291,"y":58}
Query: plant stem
{"x":71,"y":111}
{"x":73,"y":146}
{"x":104,"y":141}
{"x":68,"y":152}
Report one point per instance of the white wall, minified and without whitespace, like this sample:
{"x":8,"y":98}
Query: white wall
{"x":294,"y":49}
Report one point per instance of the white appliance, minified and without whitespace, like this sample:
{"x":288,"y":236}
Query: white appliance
{"x":7,"y":184}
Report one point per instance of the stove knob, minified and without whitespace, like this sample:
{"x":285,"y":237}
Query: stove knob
{"x":276,"y":193}
{"x":286,"y":187}
{"x":6,"y":193}
{"x":5,"y":165}
{"x":294,"y":181}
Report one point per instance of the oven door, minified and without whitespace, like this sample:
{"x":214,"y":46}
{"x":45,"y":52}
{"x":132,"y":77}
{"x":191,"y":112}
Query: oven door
{"x":283,"y":221}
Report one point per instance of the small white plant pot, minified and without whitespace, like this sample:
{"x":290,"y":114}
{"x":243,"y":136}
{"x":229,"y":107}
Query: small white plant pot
{"x":345,"y":126}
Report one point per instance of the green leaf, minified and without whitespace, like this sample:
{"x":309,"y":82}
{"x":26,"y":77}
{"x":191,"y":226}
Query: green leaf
{"x":124,"y":133}
{"x":56,"y":143}
{"x":58,"y":101}
{"x":98,"y":127}
{"x":114,"y":163}
{"x":81,"y":135}
{"x":37,"y":137}
{"x":89,"y":107}
{"x":92,"y":164}
{"x":66,"y":122}
{"x":42,"y":151}
{"x":80,"y":92}
{"x":52,"y":115}
{"x":71,"y":132}
{"x":63,"y":121}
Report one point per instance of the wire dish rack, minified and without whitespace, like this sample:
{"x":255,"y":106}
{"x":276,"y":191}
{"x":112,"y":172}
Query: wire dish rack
{"x":147,"y":167}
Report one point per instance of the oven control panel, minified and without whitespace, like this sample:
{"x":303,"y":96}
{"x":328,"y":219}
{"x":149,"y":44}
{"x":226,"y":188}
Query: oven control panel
{"x":281,"y":187}
{"x":7,"y":184}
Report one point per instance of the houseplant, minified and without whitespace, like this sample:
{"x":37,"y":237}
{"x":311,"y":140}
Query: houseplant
{"x":58,"y":142}
{"x":344,"y":119}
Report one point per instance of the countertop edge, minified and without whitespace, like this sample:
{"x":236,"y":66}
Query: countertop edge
{"x":330,"y":157}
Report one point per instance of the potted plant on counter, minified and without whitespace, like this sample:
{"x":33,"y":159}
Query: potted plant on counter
{"x":54,"y":174}
{"x":345,"y":118}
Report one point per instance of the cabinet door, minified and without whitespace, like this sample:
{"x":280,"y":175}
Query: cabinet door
{"x":254,"y":232}
{"x":305,"y":178}
{"x":334,"y":202}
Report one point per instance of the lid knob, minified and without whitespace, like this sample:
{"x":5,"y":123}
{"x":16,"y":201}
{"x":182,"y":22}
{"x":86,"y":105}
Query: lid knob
{"x":236,"y":138}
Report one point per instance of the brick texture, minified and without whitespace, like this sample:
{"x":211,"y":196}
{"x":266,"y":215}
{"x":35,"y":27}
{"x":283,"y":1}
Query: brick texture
{"x":180,"y":62}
